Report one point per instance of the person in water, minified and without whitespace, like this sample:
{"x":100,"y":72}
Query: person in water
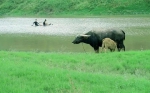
{"x":46,"y":24}
{"x":36,"y":23}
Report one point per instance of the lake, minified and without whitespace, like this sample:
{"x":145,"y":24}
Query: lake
{"x":19,"y":34}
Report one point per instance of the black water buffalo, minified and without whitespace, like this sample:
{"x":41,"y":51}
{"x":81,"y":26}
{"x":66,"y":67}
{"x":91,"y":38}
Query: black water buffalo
{"x":95,"y":37}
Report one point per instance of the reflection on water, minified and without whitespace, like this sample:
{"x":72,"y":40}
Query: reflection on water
{"x":58,"y":37}
{"x":69,"y":26}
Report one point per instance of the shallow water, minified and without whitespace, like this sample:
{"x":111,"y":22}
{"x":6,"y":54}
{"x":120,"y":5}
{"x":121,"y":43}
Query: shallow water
{"x":18,"y":34}
{"x":70,"y":26}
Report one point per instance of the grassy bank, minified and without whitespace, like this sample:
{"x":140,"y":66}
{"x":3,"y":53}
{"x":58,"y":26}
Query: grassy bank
{"x":51,"y":8}
{"x":118,"y":72}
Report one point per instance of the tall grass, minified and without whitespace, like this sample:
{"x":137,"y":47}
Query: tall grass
{"x":118,"y":72}
{"x":73,"y":7}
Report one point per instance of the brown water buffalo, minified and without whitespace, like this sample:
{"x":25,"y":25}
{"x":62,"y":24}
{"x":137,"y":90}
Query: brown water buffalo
{"x":95,"y":37}
{"x":109,"y":44}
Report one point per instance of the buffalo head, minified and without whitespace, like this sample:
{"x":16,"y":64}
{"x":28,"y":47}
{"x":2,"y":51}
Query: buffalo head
{"x":80,"y":38}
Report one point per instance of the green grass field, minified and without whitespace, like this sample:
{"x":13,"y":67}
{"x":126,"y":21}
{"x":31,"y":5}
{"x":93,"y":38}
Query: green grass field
{"x":56,"y":72}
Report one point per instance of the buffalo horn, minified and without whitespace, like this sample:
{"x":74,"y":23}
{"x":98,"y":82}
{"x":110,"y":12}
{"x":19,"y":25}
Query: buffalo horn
{"x":85,"y":35}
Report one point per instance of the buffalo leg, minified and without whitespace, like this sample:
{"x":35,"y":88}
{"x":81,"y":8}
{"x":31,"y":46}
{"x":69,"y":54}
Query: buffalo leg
{"x":96,"y":50}
{"x":123,"y":47}
{"x":118,"y":47}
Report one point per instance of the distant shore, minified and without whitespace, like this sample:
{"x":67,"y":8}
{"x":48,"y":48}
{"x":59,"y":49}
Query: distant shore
{"x":73,"y":8}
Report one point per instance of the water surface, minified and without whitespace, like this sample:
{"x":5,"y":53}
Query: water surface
{"x":70,"y":26}
{"x":19,"y":34}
